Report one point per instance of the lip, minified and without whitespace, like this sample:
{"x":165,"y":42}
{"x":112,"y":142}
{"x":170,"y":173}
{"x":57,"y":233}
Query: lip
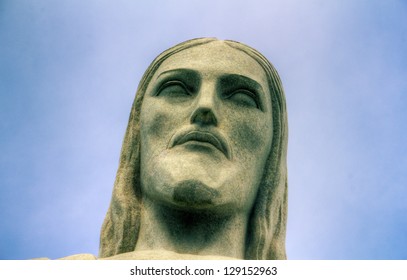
{"x":215,"y":139}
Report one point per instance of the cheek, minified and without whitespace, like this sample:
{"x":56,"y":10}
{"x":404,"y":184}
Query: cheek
{"x":154,"y":128}
{"x":158,"y":124}
{"x":153,"y":123}
{"x":252,"y":136}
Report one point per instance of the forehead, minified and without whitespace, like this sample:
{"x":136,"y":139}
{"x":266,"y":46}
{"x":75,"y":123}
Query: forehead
{"x":216,"y":58}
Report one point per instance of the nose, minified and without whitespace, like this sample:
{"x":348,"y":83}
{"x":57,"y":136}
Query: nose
{"x":205,"y":108}
{"x":204,"y":116}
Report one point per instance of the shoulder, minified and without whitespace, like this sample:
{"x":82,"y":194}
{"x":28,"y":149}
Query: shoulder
{"x":163,"y":255}
{"x":79,"y":257}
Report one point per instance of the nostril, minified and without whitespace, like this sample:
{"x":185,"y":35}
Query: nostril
{"x":204,"y":116}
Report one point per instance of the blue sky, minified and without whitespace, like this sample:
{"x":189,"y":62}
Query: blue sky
{"x":68,"y":75}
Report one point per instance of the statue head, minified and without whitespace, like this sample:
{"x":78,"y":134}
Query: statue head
{"x":207,"y":131}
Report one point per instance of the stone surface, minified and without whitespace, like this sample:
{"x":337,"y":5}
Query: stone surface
{"x":202,"y":173}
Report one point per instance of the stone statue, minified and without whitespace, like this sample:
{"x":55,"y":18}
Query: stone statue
{"x":202,"y":171}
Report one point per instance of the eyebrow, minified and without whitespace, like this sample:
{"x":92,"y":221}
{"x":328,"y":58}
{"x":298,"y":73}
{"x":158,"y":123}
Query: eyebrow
{"x":225,"y":80}
{"x":188,"y":74}
{"x":235,"y":79}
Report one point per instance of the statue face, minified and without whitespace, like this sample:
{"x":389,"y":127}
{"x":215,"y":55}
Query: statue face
{"x":206,"y":130}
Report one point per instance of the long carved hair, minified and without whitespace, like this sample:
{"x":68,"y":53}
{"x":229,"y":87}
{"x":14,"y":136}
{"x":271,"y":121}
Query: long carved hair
{"x":267,"y":226}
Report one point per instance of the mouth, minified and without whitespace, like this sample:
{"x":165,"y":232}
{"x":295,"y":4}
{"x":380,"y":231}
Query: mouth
{"x":204,"y":137}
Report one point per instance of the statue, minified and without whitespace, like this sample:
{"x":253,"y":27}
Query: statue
{"x":202,"y":171}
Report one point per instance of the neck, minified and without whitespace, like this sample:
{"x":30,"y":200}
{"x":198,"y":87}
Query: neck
{"x":198,"y":232}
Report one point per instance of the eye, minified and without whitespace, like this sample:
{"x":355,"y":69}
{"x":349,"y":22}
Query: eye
{"x":244,"y":97}
{"x":173,"y":89}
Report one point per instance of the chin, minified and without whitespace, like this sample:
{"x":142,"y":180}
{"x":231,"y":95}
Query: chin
{"x":192,"y":183}
{"x":194,"y":193}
